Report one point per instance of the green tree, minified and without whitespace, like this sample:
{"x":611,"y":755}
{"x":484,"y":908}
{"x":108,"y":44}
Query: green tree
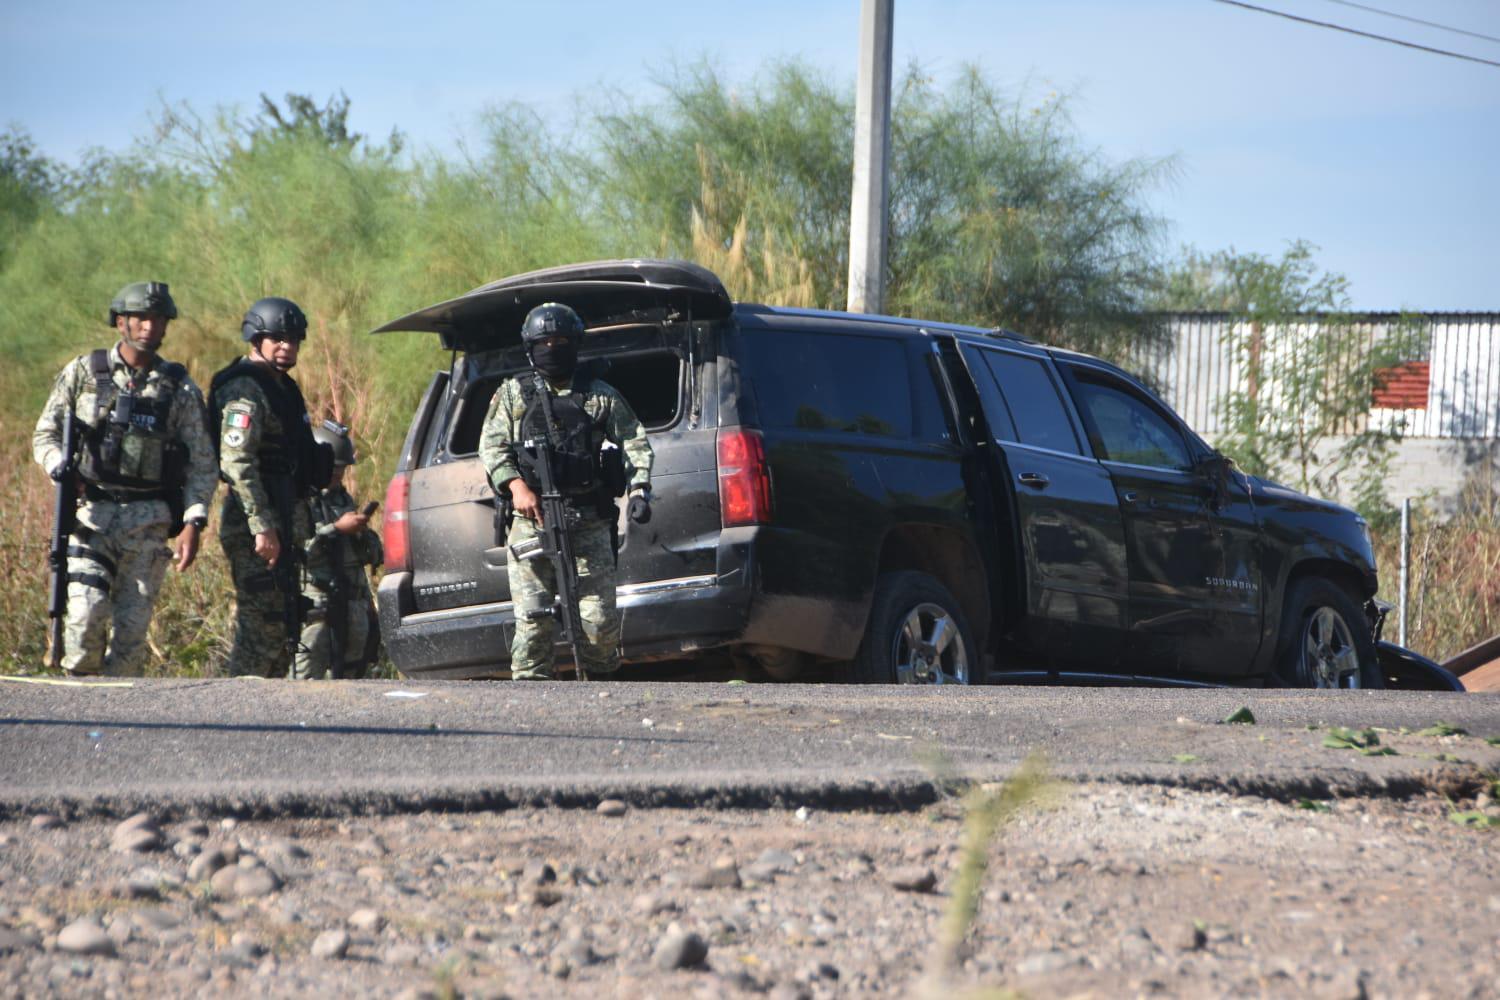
{"x":303,"y":117}
{"x":1000,"y":214}
{"x":30,"y":184}
{"x":1306,"y":370}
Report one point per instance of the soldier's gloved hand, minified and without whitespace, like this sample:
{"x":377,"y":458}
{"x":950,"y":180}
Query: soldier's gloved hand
{"x":351,"y":522}
{"x":639,"y":508}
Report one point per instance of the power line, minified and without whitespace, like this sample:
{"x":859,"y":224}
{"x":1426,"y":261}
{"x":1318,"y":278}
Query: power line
{"x":1416,"y":20}
{"x":1362,"y":34}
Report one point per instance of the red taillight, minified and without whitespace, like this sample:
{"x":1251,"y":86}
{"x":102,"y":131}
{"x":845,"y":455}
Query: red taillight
{"x":744,"y":478}
{"x":397,"y":538}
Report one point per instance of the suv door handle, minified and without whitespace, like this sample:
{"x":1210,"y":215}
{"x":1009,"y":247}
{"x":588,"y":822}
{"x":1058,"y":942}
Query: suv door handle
{"x":1034,"y":479}
{"x":1130,"y":496}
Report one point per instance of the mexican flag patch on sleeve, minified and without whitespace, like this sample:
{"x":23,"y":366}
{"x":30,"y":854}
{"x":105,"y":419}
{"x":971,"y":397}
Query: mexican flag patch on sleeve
{"x":240,"y":420}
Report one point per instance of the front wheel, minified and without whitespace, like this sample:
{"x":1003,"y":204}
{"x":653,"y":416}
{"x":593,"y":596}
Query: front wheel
{"x":1325,"y":639}
{"x":917,"y":635}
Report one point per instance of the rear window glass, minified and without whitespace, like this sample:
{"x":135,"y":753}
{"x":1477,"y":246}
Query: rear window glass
{"x":932,"y":421}
{"x":1032,"y":398}
{"x":651,"y":384}
{"x":830,"y":382}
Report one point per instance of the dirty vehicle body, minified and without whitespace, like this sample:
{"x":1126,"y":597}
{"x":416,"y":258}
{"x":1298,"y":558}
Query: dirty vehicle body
{"x":877,"y":499}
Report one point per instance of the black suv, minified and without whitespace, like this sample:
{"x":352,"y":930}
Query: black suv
{"x":881,"y":499}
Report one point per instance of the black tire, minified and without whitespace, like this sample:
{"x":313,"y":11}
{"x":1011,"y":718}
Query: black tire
{"x":909,"y":611}
{"x":1325,"y":639}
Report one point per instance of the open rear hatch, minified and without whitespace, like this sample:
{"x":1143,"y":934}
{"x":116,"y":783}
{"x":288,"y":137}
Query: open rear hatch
{"x":604,"y":292}
{"x":643,"y":319}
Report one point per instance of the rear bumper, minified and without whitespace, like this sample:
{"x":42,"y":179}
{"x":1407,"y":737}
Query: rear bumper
{"x":660,"y":619}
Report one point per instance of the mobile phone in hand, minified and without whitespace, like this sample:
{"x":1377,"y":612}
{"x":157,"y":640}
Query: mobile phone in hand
{"x":369,"y":508}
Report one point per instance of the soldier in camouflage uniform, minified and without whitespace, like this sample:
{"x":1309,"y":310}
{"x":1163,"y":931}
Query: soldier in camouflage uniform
{"x":341,"y":546}
{"x":146,"y":456}
{"x":553,"y":334}
{"x":268,"y":457}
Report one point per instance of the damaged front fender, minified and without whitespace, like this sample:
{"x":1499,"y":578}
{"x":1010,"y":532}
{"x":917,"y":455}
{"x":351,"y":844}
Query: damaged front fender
{"x":1404,"y":670}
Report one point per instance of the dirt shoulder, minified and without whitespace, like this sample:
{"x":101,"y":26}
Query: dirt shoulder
{"x":1108,"y":890}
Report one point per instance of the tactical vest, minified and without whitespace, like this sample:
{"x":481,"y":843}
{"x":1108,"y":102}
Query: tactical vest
{"x":575,"y":455}
{"x":293,"y":452}
{"x":128,"y":431}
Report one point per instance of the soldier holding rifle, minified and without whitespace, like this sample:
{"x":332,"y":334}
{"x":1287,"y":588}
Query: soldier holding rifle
{"x":268,"y":457}
{"x":141,"y":472}
{"x":543,"y":449}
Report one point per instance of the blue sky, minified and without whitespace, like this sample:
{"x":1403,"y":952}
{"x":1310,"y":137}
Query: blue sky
{"x":1387,"y":158}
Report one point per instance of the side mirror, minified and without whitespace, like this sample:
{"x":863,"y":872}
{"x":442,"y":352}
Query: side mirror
{"x":1213,"y":463}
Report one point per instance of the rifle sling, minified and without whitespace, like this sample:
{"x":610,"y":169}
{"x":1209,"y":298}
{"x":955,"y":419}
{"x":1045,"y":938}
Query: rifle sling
{"x":98,"y":557}
{"x":95,"y":493}
{"x":93,"y":580}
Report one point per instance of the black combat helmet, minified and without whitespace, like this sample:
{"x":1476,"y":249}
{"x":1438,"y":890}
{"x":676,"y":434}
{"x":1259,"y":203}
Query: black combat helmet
{"x":143,"y":298}
{"x":549,"y":320}
{"x":282,"y":318}
{"x":336,"y":436}
{"x":553,"y":319}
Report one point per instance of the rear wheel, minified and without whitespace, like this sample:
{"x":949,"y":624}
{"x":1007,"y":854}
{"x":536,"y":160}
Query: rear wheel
{"x":917,"y":635}
{"x":1325,"y":640}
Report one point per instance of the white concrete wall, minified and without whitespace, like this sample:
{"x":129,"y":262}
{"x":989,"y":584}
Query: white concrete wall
{"x":1454,"y":440}
{"x":1434,"y":469}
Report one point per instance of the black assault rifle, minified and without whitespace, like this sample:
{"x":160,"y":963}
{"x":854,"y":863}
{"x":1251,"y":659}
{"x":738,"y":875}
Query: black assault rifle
{"x":555,"y":540}
{"x":64,"y":519}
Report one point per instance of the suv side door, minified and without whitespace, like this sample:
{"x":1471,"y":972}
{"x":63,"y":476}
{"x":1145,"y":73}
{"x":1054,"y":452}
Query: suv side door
{"x":858,"y":445}
{"x":1190,"y":611}
{"x":1073,"y":542}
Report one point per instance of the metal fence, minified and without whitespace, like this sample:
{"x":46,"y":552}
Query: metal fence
{"x":1199,"y":364}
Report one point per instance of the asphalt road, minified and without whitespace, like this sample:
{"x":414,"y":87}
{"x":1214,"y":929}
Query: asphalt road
{"x":259,"y":748}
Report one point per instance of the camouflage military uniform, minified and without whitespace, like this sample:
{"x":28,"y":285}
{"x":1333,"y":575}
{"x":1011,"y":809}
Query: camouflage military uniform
{"x":358,"y":551}
{"x":117,"y":554}
{"x":532,"y":581}
{"x":248,"y":426}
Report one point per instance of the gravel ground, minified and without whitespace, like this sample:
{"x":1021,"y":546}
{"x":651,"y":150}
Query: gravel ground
{"x":1102,"y":891}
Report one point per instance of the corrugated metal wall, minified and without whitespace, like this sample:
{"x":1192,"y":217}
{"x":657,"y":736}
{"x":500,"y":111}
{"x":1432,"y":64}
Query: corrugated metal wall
{"x":1196,"y":366}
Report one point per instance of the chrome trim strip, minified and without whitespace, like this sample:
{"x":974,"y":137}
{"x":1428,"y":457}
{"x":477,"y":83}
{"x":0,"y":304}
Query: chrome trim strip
{"x":631,"y":590}
{"x":667,"y":586}
{"x":453,"y":614}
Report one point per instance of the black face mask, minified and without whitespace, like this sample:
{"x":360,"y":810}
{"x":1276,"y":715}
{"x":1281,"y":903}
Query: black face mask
{"x":556,"y":363}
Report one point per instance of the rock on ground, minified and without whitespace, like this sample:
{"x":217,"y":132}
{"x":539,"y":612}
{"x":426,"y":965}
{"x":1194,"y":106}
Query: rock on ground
{"x":1110,"y":891}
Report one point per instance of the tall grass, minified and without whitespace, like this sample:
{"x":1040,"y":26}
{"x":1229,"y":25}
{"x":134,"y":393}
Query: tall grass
{"x":25,"y":521}
{"x":1453,"y":599}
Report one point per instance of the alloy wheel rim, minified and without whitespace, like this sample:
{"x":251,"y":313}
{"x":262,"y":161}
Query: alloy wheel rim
{"x":928,"y":648}
{"x":1329,"y":656}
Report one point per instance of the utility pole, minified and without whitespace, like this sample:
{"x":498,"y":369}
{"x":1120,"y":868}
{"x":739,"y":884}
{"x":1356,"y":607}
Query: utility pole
{"x":872,"y":158}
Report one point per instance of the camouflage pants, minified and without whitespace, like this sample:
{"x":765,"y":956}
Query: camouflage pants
{"x":261,"y":647}
{"x":532,"y":585}
{"x":315,"y":654}
{"x":117,"y":556}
